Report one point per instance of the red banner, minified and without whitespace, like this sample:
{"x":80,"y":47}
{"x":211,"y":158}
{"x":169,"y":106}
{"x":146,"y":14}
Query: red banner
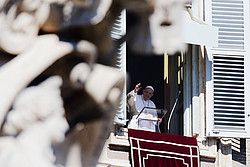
{"x":151,"y":149}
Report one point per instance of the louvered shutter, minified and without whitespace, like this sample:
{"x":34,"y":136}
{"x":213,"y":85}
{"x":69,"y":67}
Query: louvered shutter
{"x":119,"y":30}
{"x":227,"y":82}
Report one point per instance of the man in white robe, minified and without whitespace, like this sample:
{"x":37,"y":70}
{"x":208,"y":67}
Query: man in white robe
{"x":136,"y":103}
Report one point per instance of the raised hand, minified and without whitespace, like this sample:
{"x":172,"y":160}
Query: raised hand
{"x":137,"y":87}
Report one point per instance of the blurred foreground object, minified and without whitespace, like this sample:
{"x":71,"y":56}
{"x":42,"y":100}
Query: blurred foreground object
{"x":59,"y":87}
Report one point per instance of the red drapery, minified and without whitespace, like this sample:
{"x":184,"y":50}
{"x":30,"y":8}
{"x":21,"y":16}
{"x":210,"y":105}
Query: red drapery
{"x":151,"y":149}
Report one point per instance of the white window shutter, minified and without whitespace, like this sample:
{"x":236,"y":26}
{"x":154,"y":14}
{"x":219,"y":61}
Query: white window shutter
{"x":119,"y":30}
{"x":227,"y":111}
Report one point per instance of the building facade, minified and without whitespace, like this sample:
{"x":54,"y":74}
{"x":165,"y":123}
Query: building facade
{"x":211,"y":75}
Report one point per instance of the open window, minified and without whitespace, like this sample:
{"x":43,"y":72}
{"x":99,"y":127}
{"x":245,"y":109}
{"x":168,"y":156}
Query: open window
{"x":173,"y":85}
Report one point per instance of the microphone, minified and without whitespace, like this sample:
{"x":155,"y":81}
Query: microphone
{"x":176,"y":100}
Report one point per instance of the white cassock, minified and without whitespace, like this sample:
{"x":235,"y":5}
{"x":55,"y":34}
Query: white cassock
{"x":147,"y":119}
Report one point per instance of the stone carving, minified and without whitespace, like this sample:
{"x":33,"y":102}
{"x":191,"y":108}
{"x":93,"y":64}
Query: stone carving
{"x":37,"y":120}
{"x":59,"y":89}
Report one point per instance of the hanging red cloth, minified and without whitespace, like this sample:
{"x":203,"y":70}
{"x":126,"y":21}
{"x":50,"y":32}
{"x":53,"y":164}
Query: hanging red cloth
{"x":151,"y":149}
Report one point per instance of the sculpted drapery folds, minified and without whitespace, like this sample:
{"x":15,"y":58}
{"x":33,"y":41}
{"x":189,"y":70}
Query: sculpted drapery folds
{"x":57,"y":75}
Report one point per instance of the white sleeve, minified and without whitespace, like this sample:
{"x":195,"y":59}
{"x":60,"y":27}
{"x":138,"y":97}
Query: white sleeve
{"x":131,"y":98}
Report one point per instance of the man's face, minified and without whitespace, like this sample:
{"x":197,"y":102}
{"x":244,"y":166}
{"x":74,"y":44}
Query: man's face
{"x":147,"y":93}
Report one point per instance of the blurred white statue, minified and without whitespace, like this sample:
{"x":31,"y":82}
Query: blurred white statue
{"x":59,"y":87}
